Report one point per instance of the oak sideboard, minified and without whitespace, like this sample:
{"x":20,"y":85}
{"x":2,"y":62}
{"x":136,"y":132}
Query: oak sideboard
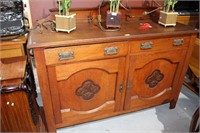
{"x":90,"y":74}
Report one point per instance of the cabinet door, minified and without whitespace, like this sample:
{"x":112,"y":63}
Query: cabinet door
{"x":153,"y":78}
{"x":85,"y":91}
{"x":16,"y":114}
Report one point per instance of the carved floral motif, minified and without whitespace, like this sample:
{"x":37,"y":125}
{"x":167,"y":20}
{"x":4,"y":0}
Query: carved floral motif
{"x":87,"y":90}
{"x":154,"y":78}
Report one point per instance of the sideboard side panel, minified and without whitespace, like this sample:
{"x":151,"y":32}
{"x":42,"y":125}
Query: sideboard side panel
{"x":44,"y":86}
{"x":183,"y":72}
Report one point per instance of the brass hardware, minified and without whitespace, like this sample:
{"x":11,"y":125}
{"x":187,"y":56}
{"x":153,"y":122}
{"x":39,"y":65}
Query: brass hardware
{"x":120,"y":87}
{"x":66,"y":55}
{"x":111,"y":50}
{"x":178,"y":42}
{"x":146,"y":45}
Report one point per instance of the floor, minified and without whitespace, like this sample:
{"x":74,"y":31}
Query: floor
{"x":158,"y":119}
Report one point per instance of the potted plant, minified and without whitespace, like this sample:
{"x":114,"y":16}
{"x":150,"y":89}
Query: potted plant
{"x":113,"y":15}
{"x":64,"y":20}
{"x":168,"y":16}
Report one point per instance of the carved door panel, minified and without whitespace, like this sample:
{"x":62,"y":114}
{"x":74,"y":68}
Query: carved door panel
{"x":153,"y":78}
{"x":85,"y":91}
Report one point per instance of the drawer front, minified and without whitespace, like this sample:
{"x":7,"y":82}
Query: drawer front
{"x":159,"y":44}
{"x":11,"y":53}
{"x":86,"y":52}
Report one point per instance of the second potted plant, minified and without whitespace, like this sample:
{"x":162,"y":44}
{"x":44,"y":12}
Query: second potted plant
{"x":168,"y":16}
{"x":64,"y":20}
{"x":113,"y":15}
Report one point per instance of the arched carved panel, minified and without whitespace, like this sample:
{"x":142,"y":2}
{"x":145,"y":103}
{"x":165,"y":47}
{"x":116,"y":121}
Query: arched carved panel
{"x":152,"y":79}
{"x":87,"y":87}
{"x":87,"y":90}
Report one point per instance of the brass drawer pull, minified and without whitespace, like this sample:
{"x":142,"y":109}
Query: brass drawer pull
{"x":178,"y":42}
{"x":111,"y":50}
{"x":146,"y":45}
{"x":66,"y":55}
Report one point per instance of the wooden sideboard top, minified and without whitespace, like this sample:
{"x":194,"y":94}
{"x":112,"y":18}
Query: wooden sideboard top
{"x":88,"y":33}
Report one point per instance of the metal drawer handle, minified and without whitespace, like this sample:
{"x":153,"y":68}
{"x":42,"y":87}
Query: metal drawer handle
{"x":111,"y":50}
{"x":178,"y":42}
{"x":146,"y":45}
{"x":66,"y":55}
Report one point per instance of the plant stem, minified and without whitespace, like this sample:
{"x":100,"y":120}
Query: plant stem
{"x":168,"y":7}
{"x":59,"y":7}
{"x":117,"y":7}
{"x":111,"y":4}
{"x":165,"y":4}
{"x":67,"y":7}
{"x":114,"y":4}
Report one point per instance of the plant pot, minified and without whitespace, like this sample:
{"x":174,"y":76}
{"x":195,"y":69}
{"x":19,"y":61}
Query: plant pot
{"x":113,"y":20}
{"x":167,"y":18}
{"x":65,"y":23}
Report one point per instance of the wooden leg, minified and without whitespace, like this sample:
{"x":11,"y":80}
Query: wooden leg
{"x":172,"y":104}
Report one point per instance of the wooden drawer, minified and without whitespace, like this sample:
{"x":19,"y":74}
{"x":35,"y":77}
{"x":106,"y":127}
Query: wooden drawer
{"x":86,"y":52}
{"x":11,"y":53}
{"x":159,"y":44}
{"x":12,"y":48}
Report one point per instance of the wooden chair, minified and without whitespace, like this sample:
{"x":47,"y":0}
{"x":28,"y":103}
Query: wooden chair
{"x":193,"y":73}
{"x":192,"y":82}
